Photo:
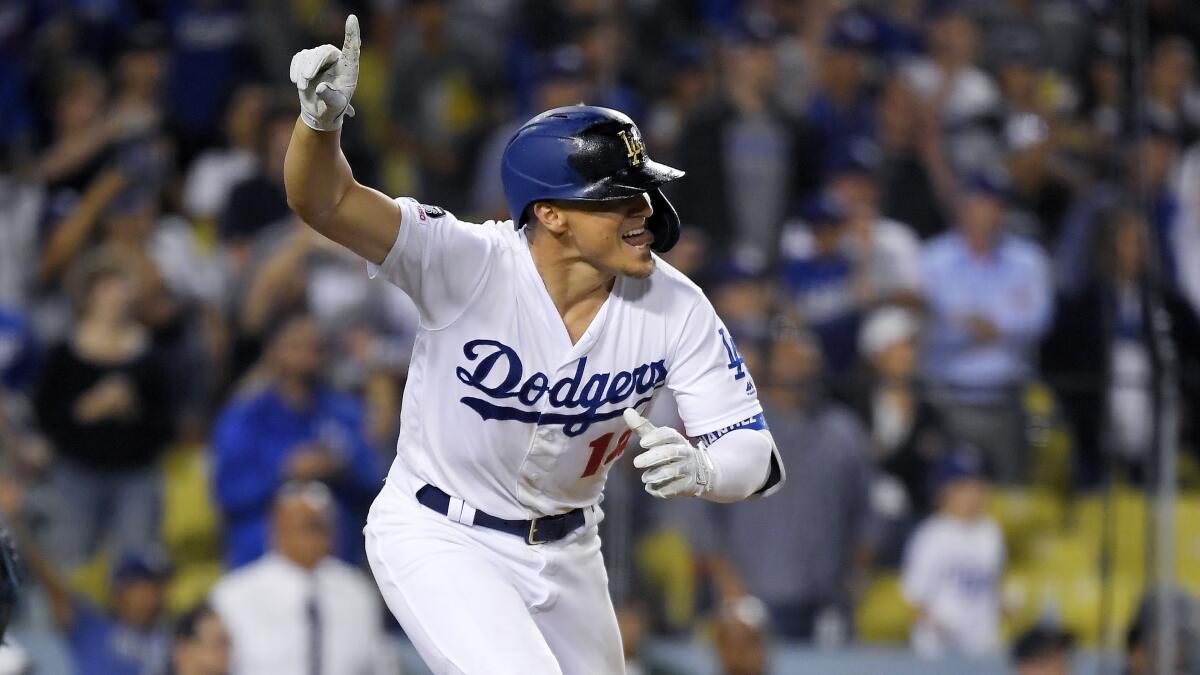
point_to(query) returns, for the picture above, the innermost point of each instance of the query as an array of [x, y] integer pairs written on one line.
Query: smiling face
[[610, 235]]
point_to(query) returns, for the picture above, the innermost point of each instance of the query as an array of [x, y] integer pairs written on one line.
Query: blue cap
[[854, 30], [141, 566], [989, 184], [955, 466], [753, 30], [824, 210], [564, 63], [859, 155]]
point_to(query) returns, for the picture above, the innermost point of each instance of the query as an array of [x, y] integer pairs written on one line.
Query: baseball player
[[542, 343]]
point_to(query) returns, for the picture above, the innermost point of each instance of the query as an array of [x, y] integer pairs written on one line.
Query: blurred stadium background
[[958, 243]]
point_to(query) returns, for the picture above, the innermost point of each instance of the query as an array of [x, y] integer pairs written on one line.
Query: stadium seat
[[190, 527], [665, 561], [883, 615], [1024, 515]]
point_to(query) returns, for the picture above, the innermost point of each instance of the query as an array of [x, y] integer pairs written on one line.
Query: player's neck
[[570, 280]]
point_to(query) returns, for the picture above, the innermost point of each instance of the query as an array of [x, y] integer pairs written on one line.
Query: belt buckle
[[533, 532]]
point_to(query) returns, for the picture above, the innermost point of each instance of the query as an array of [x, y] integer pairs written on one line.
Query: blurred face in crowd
[[110, 298], [953, 38], [1153, 160], [897, 116], [1171, 69], [898, 360], [631, 620], [751, 66], [980, 217], [795, 362], [296, 350], [138, 603], [303, 527], [827, 236], [842, 71], [740, 648], [81, 101], [595, 233], [1058, 663], [140, 72], [742, 301], [1130, 243], [557, 92], [244, 116], [965, 499], [206, 652], [688, 254], [134, 224]]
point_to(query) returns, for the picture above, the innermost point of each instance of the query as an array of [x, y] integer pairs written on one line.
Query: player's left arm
[[738, 464], [735, 456]]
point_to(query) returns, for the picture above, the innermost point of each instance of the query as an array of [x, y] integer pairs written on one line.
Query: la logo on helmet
[[635, 150]]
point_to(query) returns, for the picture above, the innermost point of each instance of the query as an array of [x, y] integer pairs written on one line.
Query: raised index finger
[[353, 42]]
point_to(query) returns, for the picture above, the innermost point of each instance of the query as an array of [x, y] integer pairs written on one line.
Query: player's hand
[[673, 466], [326, 78]]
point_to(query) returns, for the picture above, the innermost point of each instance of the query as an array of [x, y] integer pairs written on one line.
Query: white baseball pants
[[475, 601]]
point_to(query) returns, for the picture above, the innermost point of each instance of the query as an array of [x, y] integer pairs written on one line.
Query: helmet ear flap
[[664, 224]]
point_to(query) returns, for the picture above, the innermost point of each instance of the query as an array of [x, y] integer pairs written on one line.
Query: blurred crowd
[[957, 243]]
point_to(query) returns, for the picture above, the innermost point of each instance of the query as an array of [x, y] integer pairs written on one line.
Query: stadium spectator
[[915, 177], [800, 551], [741, 637], [258, 202], [953, 565], [212, 176], [298, 609], [906, 430], [841, 109], [820, 280], [632, 620], [289, 425], [962, 94], [748, 162], [103, 399], [989, 300], [1141, 655], [1100, 352], [125, 638], [437, 109], [201, 644], [886, 252], [1043, 650]]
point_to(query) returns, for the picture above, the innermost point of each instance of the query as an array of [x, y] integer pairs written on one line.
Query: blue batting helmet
[[586, 153]]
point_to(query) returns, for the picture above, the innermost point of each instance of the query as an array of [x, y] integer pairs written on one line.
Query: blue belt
[[537, 531]]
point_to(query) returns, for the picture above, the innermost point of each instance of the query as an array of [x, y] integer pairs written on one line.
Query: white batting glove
[[673, 466], [326, 78]]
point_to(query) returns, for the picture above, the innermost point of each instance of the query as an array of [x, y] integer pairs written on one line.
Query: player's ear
[[550, 216]]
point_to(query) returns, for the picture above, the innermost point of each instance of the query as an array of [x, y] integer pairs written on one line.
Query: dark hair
[[189, 623]]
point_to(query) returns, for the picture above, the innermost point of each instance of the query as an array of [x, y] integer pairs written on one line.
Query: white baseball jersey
[[502, 410], [952, 570]]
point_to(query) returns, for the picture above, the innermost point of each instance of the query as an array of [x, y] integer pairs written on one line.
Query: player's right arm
[[320, 185]]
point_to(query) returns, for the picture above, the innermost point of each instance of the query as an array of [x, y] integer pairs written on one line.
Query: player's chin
[[640, 267]]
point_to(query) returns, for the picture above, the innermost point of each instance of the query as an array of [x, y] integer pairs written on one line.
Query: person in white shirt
[[953, 565], [298, 610]]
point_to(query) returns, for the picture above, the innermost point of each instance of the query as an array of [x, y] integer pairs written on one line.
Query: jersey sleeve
[[438, 260], [712, 387]]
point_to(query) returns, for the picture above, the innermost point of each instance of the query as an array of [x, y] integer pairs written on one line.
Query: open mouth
[[639, 238]]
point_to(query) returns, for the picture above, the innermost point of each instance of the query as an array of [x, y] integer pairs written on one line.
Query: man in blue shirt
[[989, 300], [127, 637], [818, 280], [292, 428]]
